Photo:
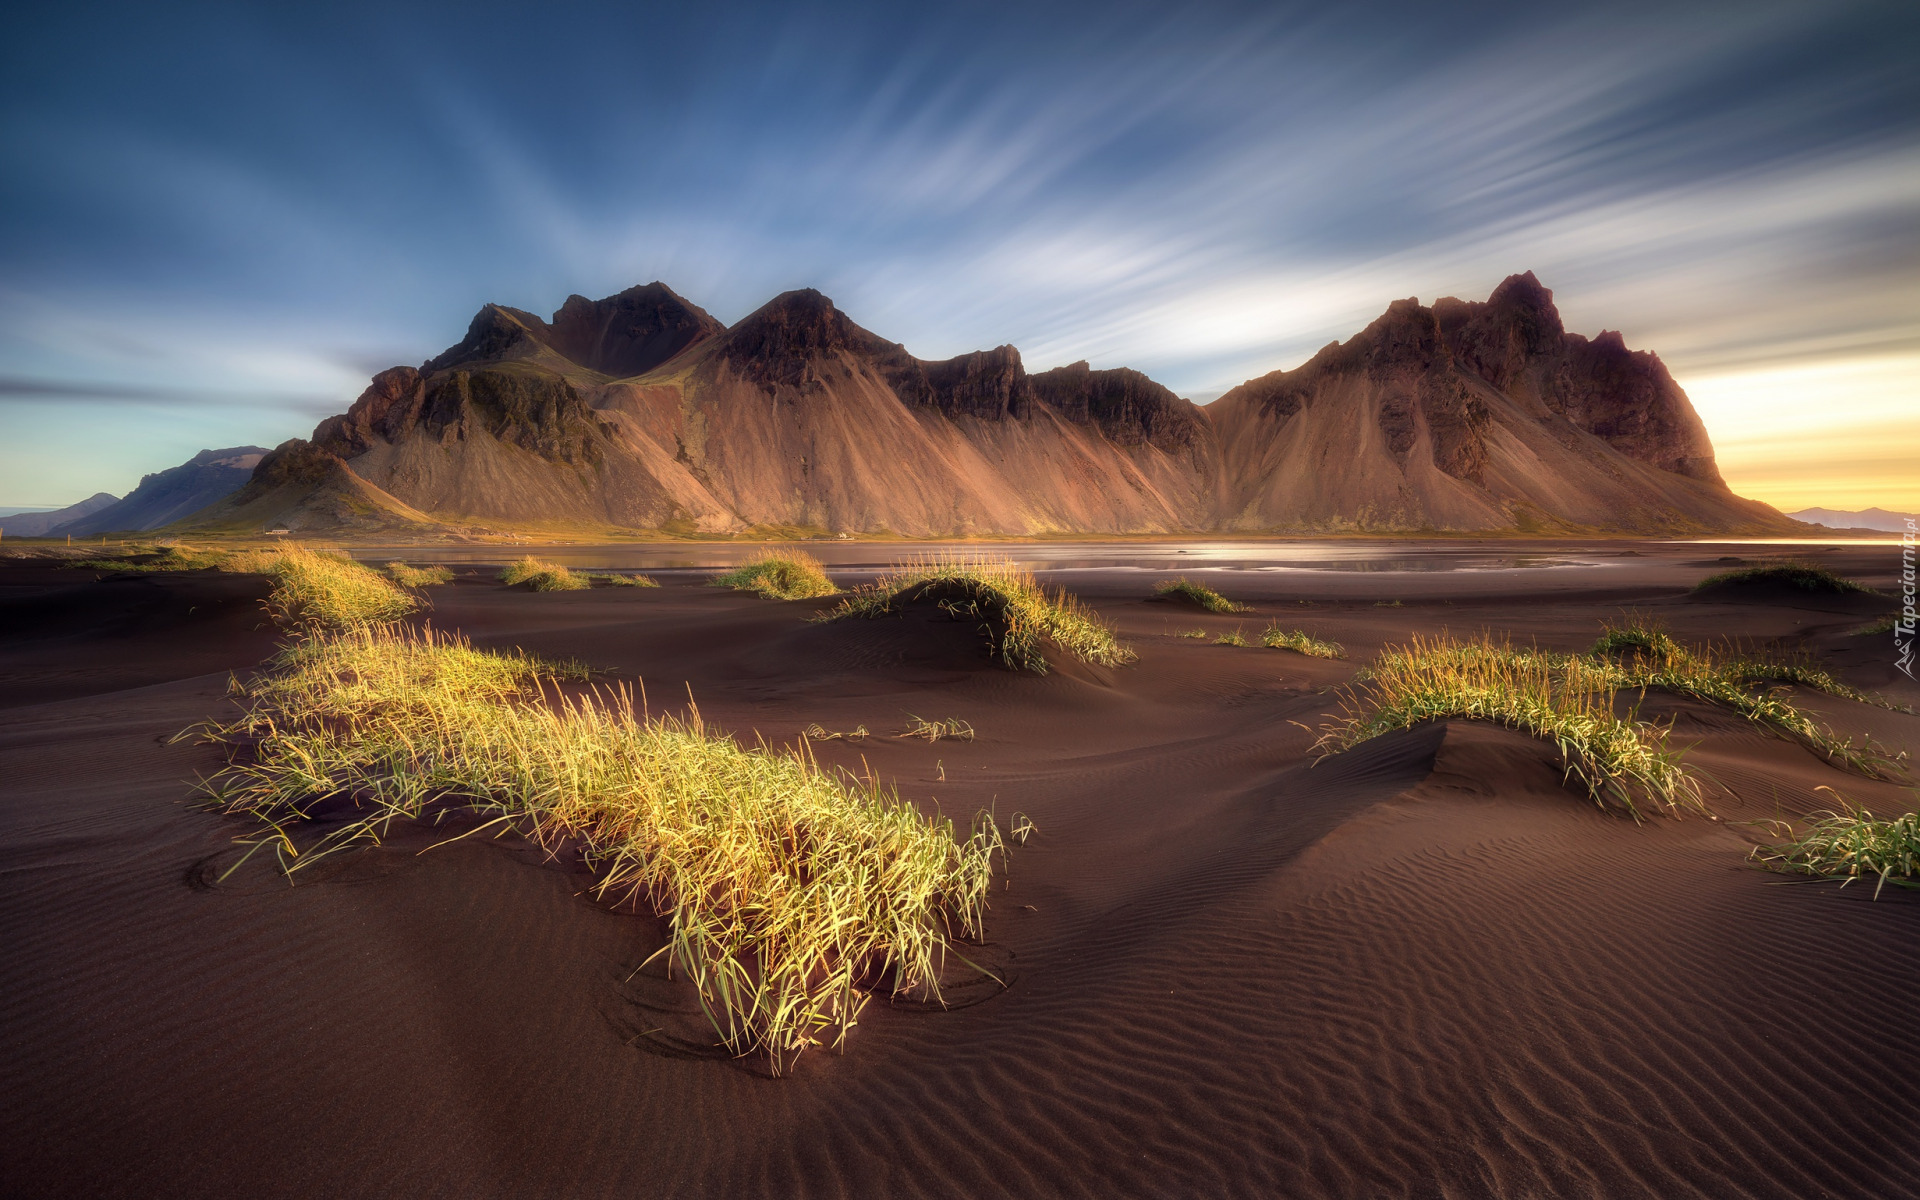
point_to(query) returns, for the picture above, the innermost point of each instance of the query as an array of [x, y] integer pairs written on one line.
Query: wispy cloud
[[14, 390], [1205, 195]]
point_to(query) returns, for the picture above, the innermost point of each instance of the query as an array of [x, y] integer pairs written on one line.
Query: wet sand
[[1420, 968]]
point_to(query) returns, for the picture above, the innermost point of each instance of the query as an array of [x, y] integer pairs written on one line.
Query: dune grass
[[621, 579], [1851, 845], [791, 896], [786, 575], [1196, 593], [1020, 827], [1564, 699], [1300, 642], [419, 577], [1639, 654], [1193, 633], [166, 556], [1016, 614], [1807, 577], [951, 728], [1233, 637], [312, 590], [817, 732], [1883, 625], [315, 592], [541, 576]]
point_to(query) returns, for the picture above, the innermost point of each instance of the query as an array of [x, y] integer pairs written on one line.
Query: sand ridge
[[1420, 968]]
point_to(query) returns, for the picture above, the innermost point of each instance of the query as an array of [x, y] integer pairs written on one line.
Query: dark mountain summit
[[640, 411], [631, 333]]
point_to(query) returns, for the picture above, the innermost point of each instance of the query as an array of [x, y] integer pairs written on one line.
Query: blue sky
[[218, 220]]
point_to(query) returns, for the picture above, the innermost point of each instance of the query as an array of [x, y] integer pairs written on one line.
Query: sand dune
[[1420, 968]]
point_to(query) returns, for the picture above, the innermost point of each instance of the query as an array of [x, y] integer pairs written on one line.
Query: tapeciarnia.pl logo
[[1904, 623]]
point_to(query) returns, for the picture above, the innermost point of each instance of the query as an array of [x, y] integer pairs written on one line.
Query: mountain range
[[641, 411], [1878, 519], [42, 524]]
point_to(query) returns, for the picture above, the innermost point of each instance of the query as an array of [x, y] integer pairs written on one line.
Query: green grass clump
[[1639, 654], [618, 579], [1232, 637], [1193, 633], [1196, 593], [791, 896], [542, 576], [1564, 699], [418, 577], [1300, 642], [1883, 625], [1807, 577], [1017, 615], [791, 575], [1852, 845]]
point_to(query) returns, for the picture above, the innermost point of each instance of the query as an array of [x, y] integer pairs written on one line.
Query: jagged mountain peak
[[631, 332], [779, 342], [628, 333], [496, 332]]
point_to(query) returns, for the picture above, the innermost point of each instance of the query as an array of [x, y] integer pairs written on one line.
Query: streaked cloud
[[1205, 195]]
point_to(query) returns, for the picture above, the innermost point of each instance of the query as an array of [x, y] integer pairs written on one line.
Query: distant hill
[[1866, 518], [167, 496], [38, 524], [642, 411]]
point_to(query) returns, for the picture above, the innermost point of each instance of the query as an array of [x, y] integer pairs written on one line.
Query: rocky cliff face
[[639, 410], [1515, 342], [1473, 415], [1127, 406]]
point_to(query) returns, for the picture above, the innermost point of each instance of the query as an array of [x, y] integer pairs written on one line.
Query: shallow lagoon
[[1161, 557]]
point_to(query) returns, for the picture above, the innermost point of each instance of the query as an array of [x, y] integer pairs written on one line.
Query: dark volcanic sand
[[1422, 968]]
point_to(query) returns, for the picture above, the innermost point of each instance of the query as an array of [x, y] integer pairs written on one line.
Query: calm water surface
[[1052, 556]]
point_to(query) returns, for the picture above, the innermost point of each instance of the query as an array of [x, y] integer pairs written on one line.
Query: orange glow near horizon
[[1841, 433]]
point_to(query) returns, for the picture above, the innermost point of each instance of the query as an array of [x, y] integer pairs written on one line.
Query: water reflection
[[1157, 557]]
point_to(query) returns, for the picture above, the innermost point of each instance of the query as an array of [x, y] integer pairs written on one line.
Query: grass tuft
[[1639, 654], [1564, 699], [1852, 845], [316, 593], [419, 577], [621, 579], [791, 575], [165, 556], [817, 732], [791, 896], [1300, 642], [1193, 633], [1196, 593], [1020, 827], [1232, 637], [1015, 613], [1807, 577], [952, 728], [542, 576]]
